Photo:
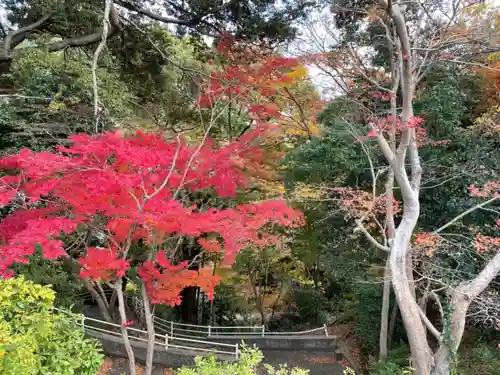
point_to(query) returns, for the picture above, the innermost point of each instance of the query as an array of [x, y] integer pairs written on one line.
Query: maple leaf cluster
[[358, 203], [491, 190], [165, 281], [258, 81], [133, 183], [428, 242], [383, 125]]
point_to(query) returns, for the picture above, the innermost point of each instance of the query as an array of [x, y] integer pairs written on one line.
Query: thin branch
[[428, 323], [472, 209], [373, 241], [190, 22], [97, 53], [438, 302]]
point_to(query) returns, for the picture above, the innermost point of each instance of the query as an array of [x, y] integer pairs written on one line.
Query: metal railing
[[165, 340], [194, 330]]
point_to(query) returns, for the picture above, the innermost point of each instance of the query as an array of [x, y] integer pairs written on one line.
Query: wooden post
[[166, 342], [171, 328], [237, 351], [209, 330], [326, 330], [263, 330]]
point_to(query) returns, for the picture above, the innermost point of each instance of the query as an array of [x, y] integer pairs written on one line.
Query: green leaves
[[250, 359], [34, 340]]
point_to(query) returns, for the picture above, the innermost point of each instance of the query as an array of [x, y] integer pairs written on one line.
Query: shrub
[[480, 360], [34, 340], [395, 364], [248, 364], [311, 305]]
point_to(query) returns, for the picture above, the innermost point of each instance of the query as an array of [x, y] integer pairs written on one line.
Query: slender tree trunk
[[103, 295], [461, 299], [148, 317], [409, 272], [443, 358], [112, 303], [384, 319], [75, 267], [103, 309], [392, 324], [189, 305], [415, 329], [123, 328]]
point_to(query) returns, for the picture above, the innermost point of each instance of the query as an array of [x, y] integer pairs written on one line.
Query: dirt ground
[[119, 366]]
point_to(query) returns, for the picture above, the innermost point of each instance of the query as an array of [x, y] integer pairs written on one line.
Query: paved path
[[318, 363]]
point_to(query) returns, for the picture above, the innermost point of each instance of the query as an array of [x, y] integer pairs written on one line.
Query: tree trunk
[[112, 303], [123, 328], [461, 299], [415, 329], [454, 329], [148, 317], [103, 309], [384, 319], [75, 267], [392, 324], [189, 305], [409, 272]]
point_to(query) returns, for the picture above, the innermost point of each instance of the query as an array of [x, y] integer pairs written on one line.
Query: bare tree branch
[[95, 60]]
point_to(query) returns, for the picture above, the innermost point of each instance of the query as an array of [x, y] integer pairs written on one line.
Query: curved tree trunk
[[384, 319], [461, 299], [123, 328], [103, 307], [417, 336], [392, 324], [148, 317]]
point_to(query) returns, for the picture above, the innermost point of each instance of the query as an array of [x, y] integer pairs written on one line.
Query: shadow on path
[[318, 363]]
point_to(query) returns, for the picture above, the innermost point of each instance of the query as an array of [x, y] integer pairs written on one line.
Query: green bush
[[248, 364], [311, 304], [395, 364], [56, 275], [480, 360], [35, 340]]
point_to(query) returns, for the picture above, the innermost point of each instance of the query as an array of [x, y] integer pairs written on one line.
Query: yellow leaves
[[56, 105], [298, 73], [304, 191], [488, 124]]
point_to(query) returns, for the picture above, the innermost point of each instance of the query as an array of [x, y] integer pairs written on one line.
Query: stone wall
[[173, 358], [283, 342]]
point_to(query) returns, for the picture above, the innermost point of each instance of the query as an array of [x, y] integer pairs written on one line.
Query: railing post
[[263, 330], [171, 328], [326, 330], [209, 330], [166, 342], [237, 351]]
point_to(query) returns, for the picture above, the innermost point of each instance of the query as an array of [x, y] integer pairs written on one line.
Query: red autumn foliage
[[103, 264], [482, 243], [132, 185], [164, 281], [490, 189]]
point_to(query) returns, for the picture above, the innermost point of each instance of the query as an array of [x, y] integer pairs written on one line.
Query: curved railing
[[169, 341], [193, 337], [195, 330]]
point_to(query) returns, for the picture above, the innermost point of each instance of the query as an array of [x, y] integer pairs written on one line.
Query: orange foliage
[[427, 242]]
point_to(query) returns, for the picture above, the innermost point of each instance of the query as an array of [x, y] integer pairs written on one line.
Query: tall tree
[[417, 37]]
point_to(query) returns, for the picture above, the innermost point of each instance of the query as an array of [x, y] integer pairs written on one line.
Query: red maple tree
[[127, 189]]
